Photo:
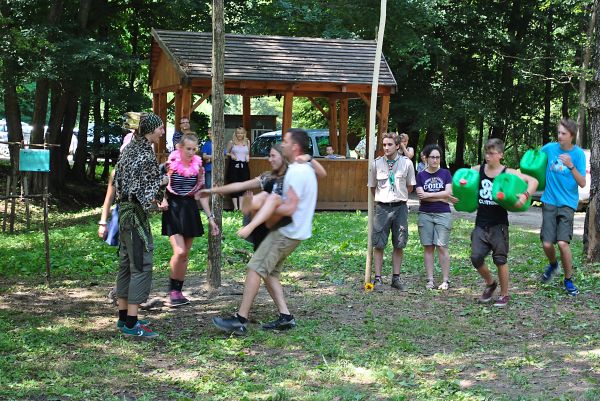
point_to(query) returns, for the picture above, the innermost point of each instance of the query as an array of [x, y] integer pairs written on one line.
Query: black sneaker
[[488, 293], [280, 324], [397, 284], [231, 325], [378, 284]]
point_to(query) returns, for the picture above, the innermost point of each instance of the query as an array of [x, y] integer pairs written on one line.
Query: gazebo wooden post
[[383, 122], [161, 111], [178, 107], [333, 122], [367, 128], [343, 142], [288, 101], [246, 113], [186, 102]]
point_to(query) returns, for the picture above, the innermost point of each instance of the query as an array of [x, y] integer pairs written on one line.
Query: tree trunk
[[461, 132], [441, 140], [58, 106], [480, 141], [97, 126], [587, 52], [84, 118], [13, 113], [547, 82], [106, 118], [68, 125], [565, 100], [592, 227], [213, 272]]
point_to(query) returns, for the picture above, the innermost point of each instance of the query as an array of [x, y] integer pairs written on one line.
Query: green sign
[[34, 160]]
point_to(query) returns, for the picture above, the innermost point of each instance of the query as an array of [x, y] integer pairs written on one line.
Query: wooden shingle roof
[[275, 58]]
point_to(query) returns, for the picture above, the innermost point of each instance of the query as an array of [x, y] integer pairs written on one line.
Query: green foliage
[[59, 342]]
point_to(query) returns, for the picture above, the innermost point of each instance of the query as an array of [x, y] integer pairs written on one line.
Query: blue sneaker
[[139, 330], [570, 287], [549, 272], [121, 324]]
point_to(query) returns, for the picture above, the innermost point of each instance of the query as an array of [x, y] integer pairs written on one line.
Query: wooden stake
[[46, 236]]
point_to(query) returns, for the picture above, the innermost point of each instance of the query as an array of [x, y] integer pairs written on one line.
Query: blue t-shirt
[[207, 150], [561, 187]]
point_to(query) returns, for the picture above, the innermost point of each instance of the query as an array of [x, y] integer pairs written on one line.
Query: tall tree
[[218, 128], [592, 227]]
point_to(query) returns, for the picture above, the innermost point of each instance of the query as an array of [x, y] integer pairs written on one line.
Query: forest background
[[466, 70]]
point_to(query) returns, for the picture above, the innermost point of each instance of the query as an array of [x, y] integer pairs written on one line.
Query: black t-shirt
[[489, 213]]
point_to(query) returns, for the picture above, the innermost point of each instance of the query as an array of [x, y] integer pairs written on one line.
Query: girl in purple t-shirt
[[434, 188]]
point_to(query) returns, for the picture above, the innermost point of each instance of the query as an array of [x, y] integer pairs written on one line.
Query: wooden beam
[[198, 102], [383, 122], [161, 148], [186, 102], [368, 102], [367, 128], [288, 102], [319, 107], [343, 142], [178, 108], [170, 102], [246, 113], [333, 122]]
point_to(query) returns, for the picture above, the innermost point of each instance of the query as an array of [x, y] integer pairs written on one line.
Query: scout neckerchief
[[391, 176]]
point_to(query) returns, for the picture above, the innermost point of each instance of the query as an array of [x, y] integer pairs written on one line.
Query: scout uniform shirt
[[391, 178]]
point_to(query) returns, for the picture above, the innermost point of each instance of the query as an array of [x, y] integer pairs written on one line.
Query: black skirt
[[237, 171], [182, 217]]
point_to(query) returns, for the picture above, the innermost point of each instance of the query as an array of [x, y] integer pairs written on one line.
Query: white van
[[319, 139]]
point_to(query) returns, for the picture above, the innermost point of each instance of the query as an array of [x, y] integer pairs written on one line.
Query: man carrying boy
[[392, 178], [564, 172], [491, 224], [299, 201]]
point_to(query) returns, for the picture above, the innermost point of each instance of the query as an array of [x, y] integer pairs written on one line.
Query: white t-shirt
[[301, 177]]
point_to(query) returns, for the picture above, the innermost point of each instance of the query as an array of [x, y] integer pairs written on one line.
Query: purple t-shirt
[[435, 182]]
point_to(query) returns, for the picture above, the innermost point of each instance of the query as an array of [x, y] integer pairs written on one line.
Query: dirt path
[[530, 219]]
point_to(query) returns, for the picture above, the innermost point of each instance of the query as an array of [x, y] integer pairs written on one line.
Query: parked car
[[319, 139], [584, 193], [110, 150]]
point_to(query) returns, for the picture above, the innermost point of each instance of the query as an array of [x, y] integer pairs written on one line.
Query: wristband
[[309, 159], [210, 216], [526, 193], [571, 168], [102, 223]]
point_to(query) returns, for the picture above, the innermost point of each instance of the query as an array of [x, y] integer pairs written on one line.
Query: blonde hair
[[391, 135], [235, 140], [403, 137], [188, 137]]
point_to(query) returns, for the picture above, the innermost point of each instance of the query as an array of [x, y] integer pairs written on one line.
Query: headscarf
[[148, 123]]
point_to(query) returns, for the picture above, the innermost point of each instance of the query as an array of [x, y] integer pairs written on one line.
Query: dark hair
[[496, 144], [430, 148], [570, 125], [300, 137]]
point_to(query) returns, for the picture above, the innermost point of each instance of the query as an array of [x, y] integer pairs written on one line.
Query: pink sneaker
[[501, 302], [177, 299]]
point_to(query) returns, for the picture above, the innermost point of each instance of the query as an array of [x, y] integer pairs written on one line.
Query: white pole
[[373, 134]]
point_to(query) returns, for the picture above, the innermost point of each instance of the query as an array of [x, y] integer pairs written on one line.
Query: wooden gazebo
[[334, 69]]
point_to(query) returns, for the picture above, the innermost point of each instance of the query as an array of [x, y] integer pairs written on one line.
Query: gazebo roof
[[272, 58]]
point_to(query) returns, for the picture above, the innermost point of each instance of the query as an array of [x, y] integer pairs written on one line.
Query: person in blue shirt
[[564, 173], [206, 151]]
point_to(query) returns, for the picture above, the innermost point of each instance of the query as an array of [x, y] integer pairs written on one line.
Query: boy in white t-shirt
[[300, 199]]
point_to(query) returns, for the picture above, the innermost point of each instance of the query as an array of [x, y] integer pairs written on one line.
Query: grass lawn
[[60, 342]]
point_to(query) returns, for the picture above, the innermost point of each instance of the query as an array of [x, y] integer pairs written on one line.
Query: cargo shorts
[[557, 223], [394, 218]]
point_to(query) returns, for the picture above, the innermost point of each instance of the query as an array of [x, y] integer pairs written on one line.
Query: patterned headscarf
[[148, 123]]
